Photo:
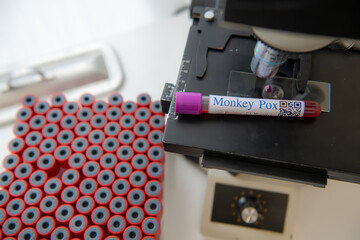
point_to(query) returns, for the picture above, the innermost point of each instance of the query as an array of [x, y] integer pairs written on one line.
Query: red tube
[[18, 188], [106, 178], [58, 100], [94, 232], [11, 161], [100, 216], [115, 99], [100, 107], [24, 114], [88, 186], [23, 171], [50, 130], [64, 231], [41, 107], [48, 164], [150, 226], [87, 100], [153, 189], [15, 207], [31, 155], [103, 196], [64, 213], [16, 145], [155, 170], [53, 186], [78, 224], [21, 129], [71, 177], [77, 161], [118, 205], [33, 196], [38, 178], [138, 179], [153, 207], [30, 216], [29, 100], [48, 205], [12, 226], [116, 224], [135, 215], [136, 197], [6, 178], [133, 231], [70, 195], [123, 170], [121, 187], [4, 197], [91, 169], [3, 216], [85, 205], [45, 226]]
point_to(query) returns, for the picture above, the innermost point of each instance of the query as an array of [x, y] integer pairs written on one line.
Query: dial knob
[[249, 209]]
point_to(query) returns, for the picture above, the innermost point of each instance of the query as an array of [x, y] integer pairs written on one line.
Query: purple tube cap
[[188, 103]]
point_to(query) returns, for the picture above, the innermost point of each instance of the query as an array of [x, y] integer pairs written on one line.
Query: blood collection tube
[[128, 107], [113, 114], [88, 186], [126, 137], [91, 169], [12, 226], [41, 107], [3, 216], [127, 121], [27, 233], [23, 171], [141, 129], [150, 226], [94, 233], [112, 129], [64, 213], [157, 122], [11, 161], [142, 114], [98, 121], [100, 107], [33, 196], [65, 137], [115, 99], [77, 161], [136, 197], [140, 145], [29, 100], [53, 186], [108, 161], [30, 216], [100, 216], [33, 138], [38, 178], [156, 153], [118, 205], [61, 233], [87, 100], [195, 103], [54, 115], [68, 122], [48, 205], [48, 145], [132, 233], [85, 205], [24, 114], [155, 170], [21, 129], [137, 179], [82, 129], [78, 224], [15, 207], [58, 100], [155, 107], [135, 215], [62, 154], [96, 137], [4, 197], [94, 152], [70, 195], [153, 207], [70, 108], [50, 130], [79, 145], [45, 226], [123, 170], [120, 187], [18, 188], [110, 144], [16, 145], [31, 155], [112, 237], [153, 188], [6, 178], [37, 122], [48, 164], [103, 196], [125, 153], [71, 177], [143, 100], [105, 178], [116, 224], [139, 162], [84, 114], [155, 137]]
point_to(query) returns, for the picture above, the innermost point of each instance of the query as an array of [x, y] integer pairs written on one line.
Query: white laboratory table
[[151, 56]]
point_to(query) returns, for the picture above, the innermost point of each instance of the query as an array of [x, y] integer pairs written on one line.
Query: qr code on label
[[290, 109]]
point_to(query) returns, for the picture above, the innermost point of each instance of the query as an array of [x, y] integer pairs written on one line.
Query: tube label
[[255, 106]]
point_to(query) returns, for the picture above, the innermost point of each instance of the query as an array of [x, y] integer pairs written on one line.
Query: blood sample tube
[[82, 129], [23, 171], [61, 233], [157, 122], [48, 205], [21, 129], [88, 186], [3, 216], [118, 205], [153, 207], [70, 108], [24, 114], [85, 205], [125, 153], [91, 169], [30, 216], [4, 197], [155, 170], [137, 179], [116, 224], [132, 233], [11, 161], [64, 213], [112, 129], [16, 145], [128, 107], [156, 153], [115, 99], [37, 122], [50, 130], [53, 186], [153, 188], [96, 137], [121, 187], [140, 145], [77, 161], [18, 188], [29, 100], [65, 137], [108, 161], [150, 226], [155, 137], [127, 121], [135, 215], [11, 227], [41, 107], [100, 216], [103, 196], [84, 114], [87, 100], [33, 138], [94, 152], [113, 114], [100, 107], [78, 224], [105, 178], [31, 155], [94, 233], [141, 129], [15, 207], [143, 100], [68, 122], [136, 197], [70, 195], [71, 177], [126, 137], [139, 162], [155, 107], [79, 145], [45, 226], [142, 114], [6, 178], [48, 164], [123, 170], [58, 100], [33, 196], [110, 144], [54, 115], [98, 121], [38, 178], [48, 145]]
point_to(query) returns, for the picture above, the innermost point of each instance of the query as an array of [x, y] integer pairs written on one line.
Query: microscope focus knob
[[250, 209]]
